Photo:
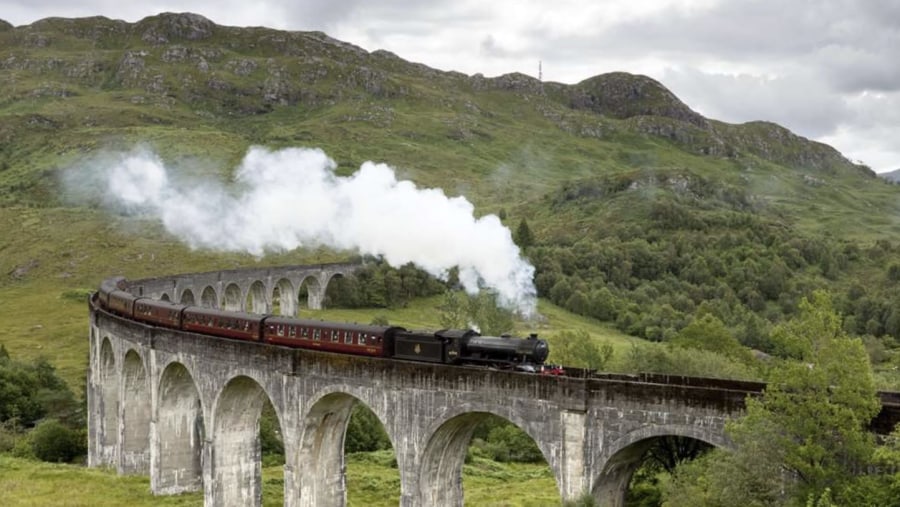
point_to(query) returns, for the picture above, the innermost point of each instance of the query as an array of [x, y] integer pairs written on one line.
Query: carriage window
[[362, 338], [292, 331], [348, 337], [335, 335], [316, 334], [280, 330], [304, 333]]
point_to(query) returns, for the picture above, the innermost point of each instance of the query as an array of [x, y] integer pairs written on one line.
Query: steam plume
[[291, 198]]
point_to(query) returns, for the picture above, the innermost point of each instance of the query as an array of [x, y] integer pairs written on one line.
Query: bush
[[54, 442]]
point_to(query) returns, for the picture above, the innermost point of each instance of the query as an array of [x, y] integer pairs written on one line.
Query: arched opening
[[283, 302], [237, 463], [208, 298], [271, 446], [308, 294], [164, 297], [484, 442], [180, 432], [187, 297], [338, 292], [348, 444], [109, 400], [256, 299], [631, 474], [233, 298], [136, 412]]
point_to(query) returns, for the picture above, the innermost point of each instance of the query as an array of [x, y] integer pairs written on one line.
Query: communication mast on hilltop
[[541, 74]]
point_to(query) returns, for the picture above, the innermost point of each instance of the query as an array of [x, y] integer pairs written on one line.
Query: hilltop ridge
[[172, 61]]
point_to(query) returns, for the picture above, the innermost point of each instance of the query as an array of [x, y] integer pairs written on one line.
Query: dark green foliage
[[709, 333], [524, 238], [377, 284], [270, 441], [365, 432], [55, 442], [806, 438], [503, 441], [31, 391], [509, 443]]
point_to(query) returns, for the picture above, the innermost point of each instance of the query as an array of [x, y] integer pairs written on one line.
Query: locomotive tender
[[447, 346]]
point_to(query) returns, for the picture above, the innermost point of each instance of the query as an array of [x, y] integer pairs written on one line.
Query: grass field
[[371, 482]]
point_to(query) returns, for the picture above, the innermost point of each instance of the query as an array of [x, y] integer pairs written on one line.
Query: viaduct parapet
[[184, 408]]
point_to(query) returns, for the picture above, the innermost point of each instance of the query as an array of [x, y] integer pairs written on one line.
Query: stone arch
[[440, 468], [310, 291], [625, 456], [209, 298], [284, 297], [179, 432], [136, 414], [236, 466], [233, 298], [164, 297], [109, 400], [322, 442], [187, 297], [256, 298]]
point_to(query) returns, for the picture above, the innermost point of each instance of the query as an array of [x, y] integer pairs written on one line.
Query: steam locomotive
[[447, 346]]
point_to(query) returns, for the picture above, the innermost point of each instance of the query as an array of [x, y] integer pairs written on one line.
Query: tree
[[577, 349], [709, 333], [52, 441], [524, 238], [805, 438]]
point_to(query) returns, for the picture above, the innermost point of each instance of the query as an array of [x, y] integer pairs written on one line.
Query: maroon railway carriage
[[238, 325], [161, 313], [329, 336], [121, 302]]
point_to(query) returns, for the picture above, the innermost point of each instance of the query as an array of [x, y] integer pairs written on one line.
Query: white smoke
[[292, 198]]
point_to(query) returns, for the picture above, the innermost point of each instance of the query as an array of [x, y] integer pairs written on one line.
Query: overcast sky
[[826, 69]]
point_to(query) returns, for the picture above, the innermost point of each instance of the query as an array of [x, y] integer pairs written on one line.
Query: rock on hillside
[[622, 95], [5, 25]]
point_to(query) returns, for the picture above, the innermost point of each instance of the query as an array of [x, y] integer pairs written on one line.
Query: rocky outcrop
[[622, 95], [5, 25], [169, 27]]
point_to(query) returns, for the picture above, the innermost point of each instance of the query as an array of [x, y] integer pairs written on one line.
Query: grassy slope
[[370, 482]]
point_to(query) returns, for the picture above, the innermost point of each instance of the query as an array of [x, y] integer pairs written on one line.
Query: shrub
[[54, 442]]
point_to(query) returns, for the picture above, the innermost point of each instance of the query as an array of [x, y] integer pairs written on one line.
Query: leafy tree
[[578, 349], [365, 432], [710, 333], [453, 311], [32, 391], [482, 311], [805, 438], [524, 238], [53, 441]]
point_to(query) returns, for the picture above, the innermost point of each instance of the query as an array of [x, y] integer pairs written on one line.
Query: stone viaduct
[[184, 408]]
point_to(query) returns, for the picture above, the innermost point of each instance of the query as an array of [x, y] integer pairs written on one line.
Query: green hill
[[642, 212]]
